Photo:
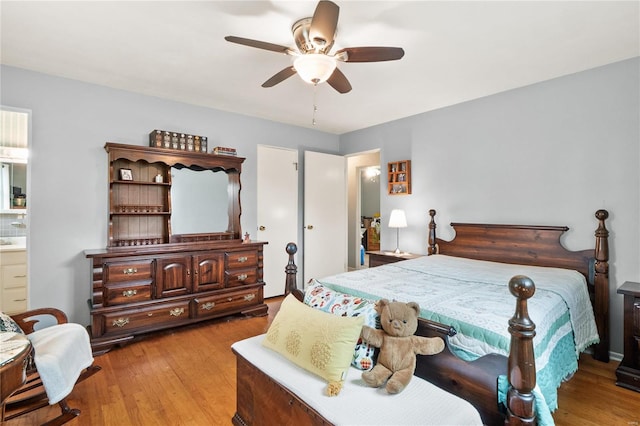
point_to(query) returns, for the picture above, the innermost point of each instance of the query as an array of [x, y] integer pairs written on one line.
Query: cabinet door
[[208, 272], [173, 276]]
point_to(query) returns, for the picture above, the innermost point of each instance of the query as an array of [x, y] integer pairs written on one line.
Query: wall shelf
[[399, 177]]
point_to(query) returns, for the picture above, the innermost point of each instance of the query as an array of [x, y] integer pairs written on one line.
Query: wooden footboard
[[476, 381]]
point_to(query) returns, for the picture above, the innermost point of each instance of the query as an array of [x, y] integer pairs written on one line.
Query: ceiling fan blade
[[324, 24], [339, 82], [279, 77], [370, 54], [259, 44]]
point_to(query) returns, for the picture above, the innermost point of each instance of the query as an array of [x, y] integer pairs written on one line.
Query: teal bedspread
[[473, 297]]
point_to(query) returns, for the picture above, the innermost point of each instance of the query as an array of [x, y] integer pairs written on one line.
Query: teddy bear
[[398, 346]]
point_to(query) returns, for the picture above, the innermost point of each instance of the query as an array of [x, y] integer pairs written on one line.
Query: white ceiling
[[454, 51]]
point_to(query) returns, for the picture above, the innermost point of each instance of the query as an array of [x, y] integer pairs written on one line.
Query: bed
[[271, 390], [261, 396], [566, 325]]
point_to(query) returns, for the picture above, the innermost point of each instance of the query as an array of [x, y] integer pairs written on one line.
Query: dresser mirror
[[199, 201]]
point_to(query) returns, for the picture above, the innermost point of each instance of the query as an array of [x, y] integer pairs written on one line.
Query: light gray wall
[[550, 154], [68, 168]]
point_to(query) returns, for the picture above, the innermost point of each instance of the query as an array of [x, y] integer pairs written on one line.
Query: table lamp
[[397, 220]]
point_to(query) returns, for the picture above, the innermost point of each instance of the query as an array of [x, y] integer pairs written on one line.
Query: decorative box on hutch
[[161, 269]]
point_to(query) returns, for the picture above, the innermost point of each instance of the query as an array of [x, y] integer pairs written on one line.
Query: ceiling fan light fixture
[[314, 68]]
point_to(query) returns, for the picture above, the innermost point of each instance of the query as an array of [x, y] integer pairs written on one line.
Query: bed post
[[432, 249], [291, 271], [601, 284], [521, 365]]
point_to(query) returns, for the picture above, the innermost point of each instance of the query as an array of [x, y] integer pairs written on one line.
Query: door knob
[[261, 228], [309, 227]]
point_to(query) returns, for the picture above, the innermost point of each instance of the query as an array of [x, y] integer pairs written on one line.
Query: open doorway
[[14, 201], [363, 184]]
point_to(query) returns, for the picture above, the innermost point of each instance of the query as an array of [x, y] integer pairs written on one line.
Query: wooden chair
[[33, 395]]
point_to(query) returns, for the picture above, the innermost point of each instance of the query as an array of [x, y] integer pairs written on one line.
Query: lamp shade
[[397, 219], [314, 68]]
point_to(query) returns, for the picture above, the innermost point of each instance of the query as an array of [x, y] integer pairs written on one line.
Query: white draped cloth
[[61, 353]]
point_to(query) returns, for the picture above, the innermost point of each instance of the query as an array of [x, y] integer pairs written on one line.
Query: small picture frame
[[125, 174]]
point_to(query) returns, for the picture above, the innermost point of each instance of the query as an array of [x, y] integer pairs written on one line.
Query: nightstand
[[628, 372], [377, 258]]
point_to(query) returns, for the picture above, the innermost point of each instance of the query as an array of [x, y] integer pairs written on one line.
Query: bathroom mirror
[[13, 185]]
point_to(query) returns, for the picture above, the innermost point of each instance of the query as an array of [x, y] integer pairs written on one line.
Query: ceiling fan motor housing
[[300, 31]]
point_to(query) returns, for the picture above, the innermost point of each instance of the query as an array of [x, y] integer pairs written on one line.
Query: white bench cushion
[[420, 403]]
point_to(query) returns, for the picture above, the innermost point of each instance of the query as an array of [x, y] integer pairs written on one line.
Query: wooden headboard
[[537, 246]]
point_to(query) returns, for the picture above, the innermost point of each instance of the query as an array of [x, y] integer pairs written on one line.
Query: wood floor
[[187, 377]]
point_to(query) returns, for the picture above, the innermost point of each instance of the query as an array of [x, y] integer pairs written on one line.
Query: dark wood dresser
[[628, 372], [175, 253]]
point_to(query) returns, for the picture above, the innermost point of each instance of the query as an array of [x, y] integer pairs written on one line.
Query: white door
[[277, 211], [325, 215]]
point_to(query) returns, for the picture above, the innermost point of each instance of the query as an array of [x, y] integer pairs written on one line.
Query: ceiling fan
[[314, 37]]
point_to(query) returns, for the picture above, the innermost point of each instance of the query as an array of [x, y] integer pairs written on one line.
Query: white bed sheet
[[420, 403]]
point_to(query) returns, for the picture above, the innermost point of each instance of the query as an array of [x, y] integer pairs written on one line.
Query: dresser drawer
[[14, 300], [212, 305], [155, 316], [14, 276], [127, 293], [238, 277], [128, 271], [241, 259]]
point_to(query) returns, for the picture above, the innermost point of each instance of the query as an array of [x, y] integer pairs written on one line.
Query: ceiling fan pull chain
[[315, 106]]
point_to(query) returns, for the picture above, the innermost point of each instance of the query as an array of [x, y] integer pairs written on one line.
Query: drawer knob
[[176, 312], [242, 277], [242, 259], [208, 306], [130, 271], [229, 299], [248, 297], [120, 322], [129, 293], [19, 276]]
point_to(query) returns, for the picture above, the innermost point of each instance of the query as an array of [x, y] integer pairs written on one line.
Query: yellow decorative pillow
[[317, 341]]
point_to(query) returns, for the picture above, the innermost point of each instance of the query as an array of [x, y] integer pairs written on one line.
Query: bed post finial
[[521, 365], [291, 270], [601, 284], [432, 249]]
